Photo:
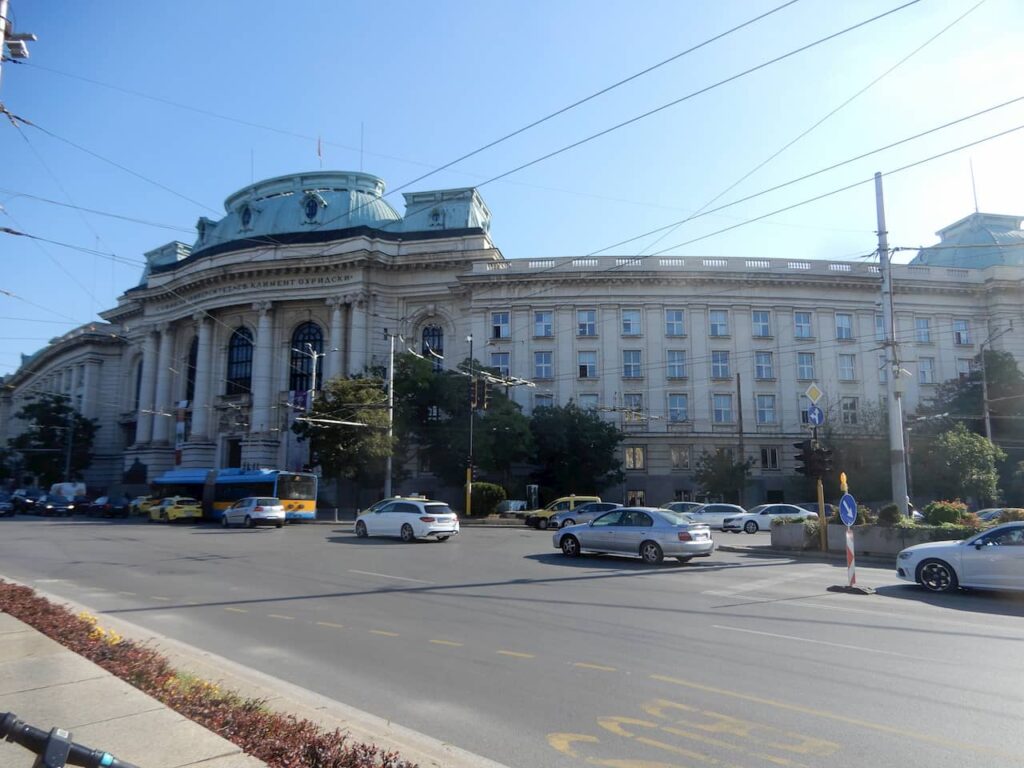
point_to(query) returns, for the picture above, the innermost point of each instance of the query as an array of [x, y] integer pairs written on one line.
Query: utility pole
[[897, 457], [13, 42], [472, 408], [739, 426], [391, 413], [984, 380]]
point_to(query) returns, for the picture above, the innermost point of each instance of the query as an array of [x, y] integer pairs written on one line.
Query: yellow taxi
[[174, 508], [141, 505]]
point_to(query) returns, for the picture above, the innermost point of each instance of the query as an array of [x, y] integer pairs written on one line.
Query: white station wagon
[[409, 519]]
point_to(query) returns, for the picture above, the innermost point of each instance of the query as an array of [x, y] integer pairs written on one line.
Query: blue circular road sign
[[848, 509], [815, 416]]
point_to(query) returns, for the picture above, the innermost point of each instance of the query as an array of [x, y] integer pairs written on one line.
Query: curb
[[806, 554], [287, 698]]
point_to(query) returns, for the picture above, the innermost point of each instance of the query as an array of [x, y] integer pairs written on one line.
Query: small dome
[[976, 241]]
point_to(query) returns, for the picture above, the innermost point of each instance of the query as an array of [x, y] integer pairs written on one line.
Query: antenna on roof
[[973, 187]]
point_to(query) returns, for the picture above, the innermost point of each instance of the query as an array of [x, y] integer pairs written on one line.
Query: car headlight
[[904, 555]]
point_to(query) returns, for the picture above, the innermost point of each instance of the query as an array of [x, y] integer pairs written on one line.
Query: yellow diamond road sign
[[814, 393]]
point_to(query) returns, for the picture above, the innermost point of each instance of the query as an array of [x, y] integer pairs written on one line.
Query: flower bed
[[281, 741]]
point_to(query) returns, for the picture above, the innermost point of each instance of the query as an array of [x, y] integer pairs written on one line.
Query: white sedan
[[760, 518], [409, 519], [992, 559]]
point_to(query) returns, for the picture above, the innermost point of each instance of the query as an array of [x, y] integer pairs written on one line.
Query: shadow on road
[[972, 600]]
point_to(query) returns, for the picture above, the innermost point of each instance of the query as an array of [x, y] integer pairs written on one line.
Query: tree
[[575, 449], [959, 463], [503, 438], [962, 397], [719, 474], [860, 450], [353, 452], [43, 447]]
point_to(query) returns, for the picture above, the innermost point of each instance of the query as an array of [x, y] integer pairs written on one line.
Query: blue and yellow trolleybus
[[218, 489]]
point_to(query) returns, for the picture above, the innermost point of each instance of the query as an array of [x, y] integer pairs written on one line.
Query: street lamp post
[[391, 412], [469, 464]]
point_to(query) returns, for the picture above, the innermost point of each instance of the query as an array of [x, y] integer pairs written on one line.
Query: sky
[[151, 114]]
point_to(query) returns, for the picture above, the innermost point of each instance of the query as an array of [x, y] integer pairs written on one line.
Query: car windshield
[[677, 518], [759, 508], [438, 509], [268, 502]]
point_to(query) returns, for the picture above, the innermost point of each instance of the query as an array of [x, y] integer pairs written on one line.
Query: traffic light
[[805, 459], [488, 386], [823, 458]]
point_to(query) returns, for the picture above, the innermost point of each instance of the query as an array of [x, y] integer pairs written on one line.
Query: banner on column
[[296, 451]]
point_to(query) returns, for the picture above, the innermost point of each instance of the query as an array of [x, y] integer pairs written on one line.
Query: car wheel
[[408, 535], [937, 576], [248, 522], [651, 553], [360, 529], [543, 523], [570, 546], [279, 525], [224, 521], [568, 522], [684, 559], [750, 526]]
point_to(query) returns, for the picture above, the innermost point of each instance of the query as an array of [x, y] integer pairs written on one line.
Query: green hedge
[[486, 497]]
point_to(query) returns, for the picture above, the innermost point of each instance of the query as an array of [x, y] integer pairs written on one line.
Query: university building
[[206, 362]]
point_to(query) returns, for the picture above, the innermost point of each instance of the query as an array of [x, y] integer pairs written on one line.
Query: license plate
[[699, 536]]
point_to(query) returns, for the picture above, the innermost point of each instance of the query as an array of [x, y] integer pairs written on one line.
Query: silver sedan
[[644, 532]]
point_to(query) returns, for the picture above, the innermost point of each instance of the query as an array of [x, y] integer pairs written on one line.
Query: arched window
[[190, 370], [302, 360], [433, 344], [240, 362]]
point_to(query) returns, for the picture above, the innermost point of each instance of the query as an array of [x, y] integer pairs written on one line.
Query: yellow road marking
[[614, 724], [517, 654], [331, 624], [385, 634], [279, 616], [563, 743], [157, 597], [880, 727], [236, 610], [446, 642], [598, 667]]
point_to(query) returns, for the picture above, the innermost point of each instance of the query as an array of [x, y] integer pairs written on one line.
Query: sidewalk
[[762, 547], [48, 686]]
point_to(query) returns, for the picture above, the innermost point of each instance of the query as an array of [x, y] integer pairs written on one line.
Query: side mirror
[[979, 544], [591, 523]]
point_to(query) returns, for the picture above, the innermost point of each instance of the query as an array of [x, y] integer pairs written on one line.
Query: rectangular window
[[587, 362], [678, 408], [761, 322], [676, 363], [719, 322], [765, 409], [883, 367], [805, 405], [802, 325], [769, 458], [544, 324], [500, 325], [849, 409], [633, 407], [543, 401], [963, 367], [923, 330], [631, 364], [586, 322], [722, 409], [631, 322], [500, 360], [763, 366], [961, 332], [674, 323], [879, 328], [636, 498], [847, 367], [680, 455], [636, 457], [805, 366], [588, 402], [926, 370], [543, 365], [720, 364], [844, 326]]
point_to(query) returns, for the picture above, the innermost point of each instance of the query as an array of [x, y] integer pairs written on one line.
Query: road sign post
[[848, 514]]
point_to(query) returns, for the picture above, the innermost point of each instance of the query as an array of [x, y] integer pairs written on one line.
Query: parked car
[[990, 515], [760, 517], [409, 519], [644, 532], [713, 515], [992, 559], [682, 506], [53, 505], [109, 506], [539, 518], [254, 510], [141, 505], [174, 508], [6, 505], [24, 499], [584, 513]]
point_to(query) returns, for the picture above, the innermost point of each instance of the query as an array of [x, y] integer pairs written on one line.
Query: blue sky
[[194, 100]]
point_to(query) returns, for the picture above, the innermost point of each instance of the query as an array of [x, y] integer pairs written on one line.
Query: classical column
[[90, 380], [357, 340], [201, 395], [144, 425], [259, 415], [336, 340], [164, 377]]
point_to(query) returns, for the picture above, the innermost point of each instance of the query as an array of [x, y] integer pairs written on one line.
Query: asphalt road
[[497, 643]]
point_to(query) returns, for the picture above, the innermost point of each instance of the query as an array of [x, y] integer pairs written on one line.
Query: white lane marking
[[760, 584], [386, 576], [903, 617], [824, 642]]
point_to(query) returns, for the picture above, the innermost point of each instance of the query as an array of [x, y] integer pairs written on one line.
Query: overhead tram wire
[[92, 252], [26, 195], [819, 122]]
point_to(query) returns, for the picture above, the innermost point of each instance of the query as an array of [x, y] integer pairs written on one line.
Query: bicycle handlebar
[[55, 747]]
